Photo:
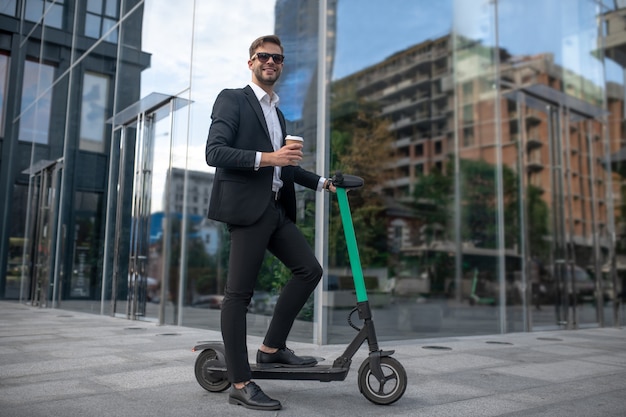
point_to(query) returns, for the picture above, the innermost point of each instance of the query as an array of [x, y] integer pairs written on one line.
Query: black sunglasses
[[264, 57]]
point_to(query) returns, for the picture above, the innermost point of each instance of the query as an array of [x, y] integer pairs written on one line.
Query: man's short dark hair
[[267, 38]]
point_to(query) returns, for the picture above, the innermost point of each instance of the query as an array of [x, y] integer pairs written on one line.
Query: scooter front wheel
[[209, 380], [390, 389]]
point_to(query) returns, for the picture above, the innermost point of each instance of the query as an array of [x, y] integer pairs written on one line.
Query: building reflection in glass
[[493, 156]]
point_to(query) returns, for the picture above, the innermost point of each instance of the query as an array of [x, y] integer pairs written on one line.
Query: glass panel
[[96, 24], [107, 24], [82, 97], [92, 26], [93, 112], [128, 65], [110, 9], [94, 6], [34, 10], [54, 14], [4, 79], [87, 265], [53, 10], [173, 231], [164, 231], [480, 273], [614, 270], [391, 101], [42, 237], [36, 102], [563, 238], [205, 259], [8, 7], [170, 58], [18, 267]]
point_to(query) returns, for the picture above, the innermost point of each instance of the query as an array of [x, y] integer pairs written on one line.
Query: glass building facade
[[490, 134]]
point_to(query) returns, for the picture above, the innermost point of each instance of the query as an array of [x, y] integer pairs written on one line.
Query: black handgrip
[[347, 181]]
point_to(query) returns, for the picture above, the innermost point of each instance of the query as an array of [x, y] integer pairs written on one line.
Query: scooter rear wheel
[[208, 379], [390, 389]]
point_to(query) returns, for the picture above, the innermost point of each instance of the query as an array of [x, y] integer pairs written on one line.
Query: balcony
[[400, 162], [535, 163], [533, 142], [401, 123], [534, 166], [397, 87], [397, 105], [533, 117], [439, 114], [402, 142]]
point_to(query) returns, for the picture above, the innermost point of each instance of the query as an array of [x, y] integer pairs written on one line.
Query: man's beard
[[263, 79]]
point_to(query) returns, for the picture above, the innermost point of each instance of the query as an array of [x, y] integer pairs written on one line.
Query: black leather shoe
[[283, 358], [251, 396]]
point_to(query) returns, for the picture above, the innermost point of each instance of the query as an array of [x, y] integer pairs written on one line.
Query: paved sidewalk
[[63, 363]]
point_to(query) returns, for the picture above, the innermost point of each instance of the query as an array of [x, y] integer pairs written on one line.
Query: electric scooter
[[381, 378], [475, 298]]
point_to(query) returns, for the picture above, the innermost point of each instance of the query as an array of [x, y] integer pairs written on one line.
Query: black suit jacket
[[238, 130]]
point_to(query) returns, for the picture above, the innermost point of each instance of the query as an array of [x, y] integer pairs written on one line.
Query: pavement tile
[[72, 364]]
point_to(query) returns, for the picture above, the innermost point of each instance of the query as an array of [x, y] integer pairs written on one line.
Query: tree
[[360, 145], [433, 196], [537, 223], [434, 203]]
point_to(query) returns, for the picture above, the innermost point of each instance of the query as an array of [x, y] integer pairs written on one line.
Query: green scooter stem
[[353, 252]]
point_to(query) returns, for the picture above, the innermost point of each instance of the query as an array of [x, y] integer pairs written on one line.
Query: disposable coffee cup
[[290, 139]]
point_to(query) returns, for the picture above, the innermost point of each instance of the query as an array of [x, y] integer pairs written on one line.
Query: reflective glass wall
[[495, 190], [493, 158], [59, 93]]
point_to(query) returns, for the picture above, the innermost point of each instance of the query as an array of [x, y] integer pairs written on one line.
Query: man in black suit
[[253, 193]]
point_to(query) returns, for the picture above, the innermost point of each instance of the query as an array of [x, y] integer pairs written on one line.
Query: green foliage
[[273, 275], [433, 196], [201, 267], [434, 204], [360, 145], [538, 215]]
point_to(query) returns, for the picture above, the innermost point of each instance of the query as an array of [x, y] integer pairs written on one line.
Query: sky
[[364, 29], [223, 33], [216, 36]]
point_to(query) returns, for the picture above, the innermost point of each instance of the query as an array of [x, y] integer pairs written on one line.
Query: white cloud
[[221, 32], [474, 19], [218, 40]]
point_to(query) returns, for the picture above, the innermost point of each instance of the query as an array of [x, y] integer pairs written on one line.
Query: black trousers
[[277, 233]]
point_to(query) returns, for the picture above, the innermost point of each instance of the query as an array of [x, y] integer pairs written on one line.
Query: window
[[8, 7], [93, 112], [438, 147], [419, 150], [468, 113], [468, 136], [101, 16], [468, 92], [36, 102], [419, 170], [52, 9], [513, 130], [4, 75]]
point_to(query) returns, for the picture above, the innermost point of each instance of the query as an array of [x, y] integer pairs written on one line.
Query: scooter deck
[[323, 373]]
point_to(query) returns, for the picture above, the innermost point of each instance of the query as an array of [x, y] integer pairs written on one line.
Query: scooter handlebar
[[346, 181]]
